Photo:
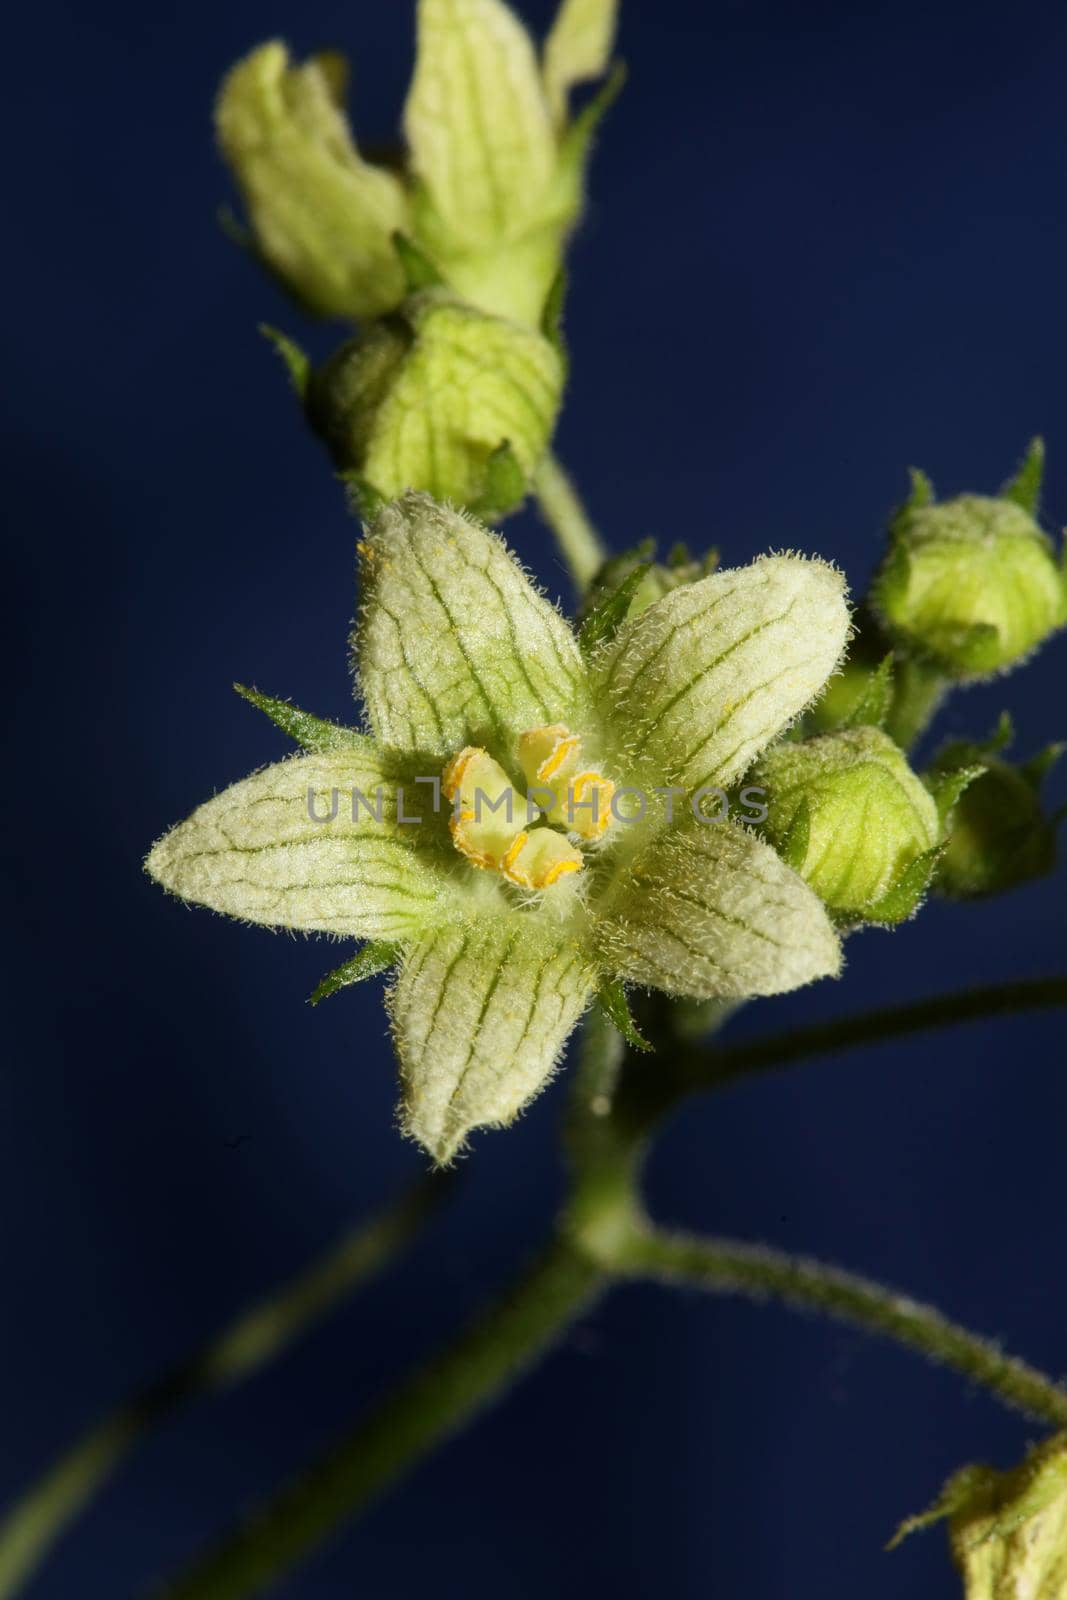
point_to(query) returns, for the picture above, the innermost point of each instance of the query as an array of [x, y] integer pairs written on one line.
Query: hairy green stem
[[653, 1085], [726, 1266], [418, 1416], [33, 1525], [918, 691], [561, 508]]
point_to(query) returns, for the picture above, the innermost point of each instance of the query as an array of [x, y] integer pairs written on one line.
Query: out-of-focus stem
[[35, 1522], [561, 508]]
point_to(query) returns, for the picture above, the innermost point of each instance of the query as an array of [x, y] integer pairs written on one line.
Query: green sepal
[[947, 787], [419, 270], [369, 960], [611, 999], [873, 706], [574, 150], [363, 498], [1025, 488], [904, 898], [310, 733], [552, 316], [1038, 767], [505, 485], [297, 364], [607, 616], [920, 495], [794, 847], [958, 1491]]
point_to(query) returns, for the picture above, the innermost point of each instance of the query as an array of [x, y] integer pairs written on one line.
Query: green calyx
[[493, 178], [847, 812], [1001, 834], [972, 585], [440, 398], [629, 583]]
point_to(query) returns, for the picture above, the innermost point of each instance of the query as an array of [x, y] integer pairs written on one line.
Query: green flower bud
[[633, 581], [1008, 1530], [972, 584], [846, 811], [1000, 834], [494, 174], [440, 398], [322, 218]]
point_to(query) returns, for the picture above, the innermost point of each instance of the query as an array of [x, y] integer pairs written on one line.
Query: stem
[[726, 1266], [561, 508], [918, 691], [653, 1086], [423, 1412], [41, 1516]]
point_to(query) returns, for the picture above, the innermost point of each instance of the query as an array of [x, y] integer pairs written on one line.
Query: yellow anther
[[543, 857], [589, 814], [546, 753]]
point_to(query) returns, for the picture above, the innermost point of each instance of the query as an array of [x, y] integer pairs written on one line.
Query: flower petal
[[455, 646], [709, 911], [477, 121], [323, 217], [255, 852], [578, 47], [701, 682], [480, 1016]]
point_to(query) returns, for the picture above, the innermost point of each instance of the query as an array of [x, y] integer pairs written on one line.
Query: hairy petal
[[454, 645], [477, 120], [578, 47], [255, 852], [480, 1016], [709, 911], [323, 217], [702, 681]]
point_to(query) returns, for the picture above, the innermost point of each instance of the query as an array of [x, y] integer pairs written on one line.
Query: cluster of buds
[[456, 391]]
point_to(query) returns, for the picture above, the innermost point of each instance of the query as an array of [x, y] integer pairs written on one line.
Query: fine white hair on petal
[[481, 1013], [455, 646], [700, 683]]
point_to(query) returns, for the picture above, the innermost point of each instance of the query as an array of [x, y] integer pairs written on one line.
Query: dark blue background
[[825, 242]]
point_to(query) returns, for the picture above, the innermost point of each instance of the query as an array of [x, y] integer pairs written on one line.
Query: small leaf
[[794, 847], [604, 621], [872, 707], [419, 271], [1025, 488], [957, 1492], [578, 140], [297, 363], [613, 1002], [373, 958], [906, 895], [310, 733]]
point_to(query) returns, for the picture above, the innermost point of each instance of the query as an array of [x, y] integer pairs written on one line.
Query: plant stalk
[[578, 540]]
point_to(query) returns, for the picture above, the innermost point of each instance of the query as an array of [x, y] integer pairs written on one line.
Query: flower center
[[518, 835]]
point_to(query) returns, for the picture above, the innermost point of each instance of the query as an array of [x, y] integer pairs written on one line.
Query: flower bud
[[1008, 1530], [972, 584], [440, 398], [1000, 834], [846, 811], [632, 581], [322, 218]]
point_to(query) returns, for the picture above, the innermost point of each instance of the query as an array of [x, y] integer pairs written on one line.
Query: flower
[[972, 585], [440, 397], [1008, 1530], [495, 170], [522, 824]]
